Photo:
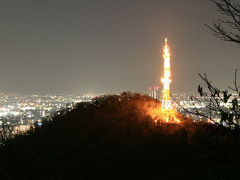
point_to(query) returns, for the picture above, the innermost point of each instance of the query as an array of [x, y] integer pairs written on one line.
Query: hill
[[114, 137]]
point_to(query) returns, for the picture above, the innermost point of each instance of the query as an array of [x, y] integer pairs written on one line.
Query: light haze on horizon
[[109, 46]]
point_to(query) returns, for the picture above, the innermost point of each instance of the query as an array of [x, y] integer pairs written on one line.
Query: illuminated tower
[[166, 102], [165, 113]]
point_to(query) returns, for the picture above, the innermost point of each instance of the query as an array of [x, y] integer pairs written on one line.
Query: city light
[[22, 111]]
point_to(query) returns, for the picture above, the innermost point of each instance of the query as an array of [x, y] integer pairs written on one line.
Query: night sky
[[109, 46]]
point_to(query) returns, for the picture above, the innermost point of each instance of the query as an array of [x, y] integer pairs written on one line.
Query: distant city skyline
[[26, 110], [80, 47]]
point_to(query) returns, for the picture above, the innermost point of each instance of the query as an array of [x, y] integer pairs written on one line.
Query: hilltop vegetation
[[114, 137]]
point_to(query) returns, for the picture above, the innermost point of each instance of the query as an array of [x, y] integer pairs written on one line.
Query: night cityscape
[[139, 89], [25, 110]]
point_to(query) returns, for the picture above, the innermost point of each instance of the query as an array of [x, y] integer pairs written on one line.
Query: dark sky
[[108, 46]]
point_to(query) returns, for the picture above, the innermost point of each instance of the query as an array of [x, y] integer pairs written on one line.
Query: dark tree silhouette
[[221, 104], [227, 27], [113, 137]]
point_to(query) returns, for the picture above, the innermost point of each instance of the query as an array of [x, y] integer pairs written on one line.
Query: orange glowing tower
[[165, 113], [166, 102]]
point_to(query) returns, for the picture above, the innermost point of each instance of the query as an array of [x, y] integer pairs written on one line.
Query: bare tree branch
[[219, 104], [227, 29]]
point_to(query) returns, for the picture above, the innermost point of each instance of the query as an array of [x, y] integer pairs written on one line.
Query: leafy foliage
[[220, 104]]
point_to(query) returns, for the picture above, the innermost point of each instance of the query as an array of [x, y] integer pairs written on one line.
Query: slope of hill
[[113, 137]]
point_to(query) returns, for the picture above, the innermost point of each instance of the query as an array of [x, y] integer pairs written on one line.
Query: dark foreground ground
[[114, 138]]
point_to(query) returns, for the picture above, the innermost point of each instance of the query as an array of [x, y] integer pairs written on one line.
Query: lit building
[[154, 92]]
